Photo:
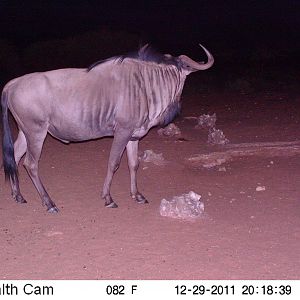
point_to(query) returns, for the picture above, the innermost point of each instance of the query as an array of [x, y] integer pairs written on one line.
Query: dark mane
[[145, 53]]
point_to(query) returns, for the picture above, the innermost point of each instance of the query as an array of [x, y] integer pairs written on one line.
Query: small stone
[[222, 169], [155, 158], [170, 130], [260, 188], [52, 233]]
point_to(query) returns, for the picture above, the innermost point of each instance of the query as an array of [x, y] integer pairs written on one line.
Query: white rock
[[186, 206]]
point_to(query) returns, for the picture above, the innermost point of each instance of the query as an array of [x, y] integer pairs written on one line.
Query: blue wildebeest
[[122, 96]]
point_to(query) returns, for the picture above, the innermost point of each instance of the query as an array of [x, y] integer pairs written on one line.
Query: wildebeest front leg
[[133, 164], [121, 138]]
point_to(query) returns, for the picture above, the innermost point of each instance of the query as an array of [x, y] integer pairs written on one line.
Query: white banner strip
[[141, 289]]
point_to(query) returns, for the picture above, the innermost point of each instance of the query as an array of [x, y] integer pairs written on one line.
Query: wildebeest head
[[147, 53]]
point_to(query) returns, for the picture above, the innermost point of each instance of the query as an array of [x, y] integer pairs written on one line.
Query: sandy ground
[[246, 234]]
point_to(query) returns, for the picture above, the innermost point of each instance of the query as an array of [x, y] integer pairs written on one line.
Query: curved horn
[[189, 63]]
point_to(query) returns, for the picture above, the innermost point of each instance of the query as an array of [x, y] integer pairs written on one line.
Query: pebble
[[222, 169], [260, 188]]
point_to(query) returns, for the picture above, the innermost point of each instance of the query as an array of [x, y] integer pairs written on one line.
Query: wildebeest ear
[[192, 66], [185, 63], [143, 48]]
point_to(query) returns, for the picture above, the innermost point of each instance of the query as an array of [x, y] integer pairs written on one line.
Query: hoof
[[53, 210], [111, 205], [140, 199], [20, 199], [144, 201]]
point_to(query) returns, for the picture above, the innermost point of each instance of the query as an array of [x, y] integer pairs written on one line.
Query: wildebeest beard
[[170, 113]]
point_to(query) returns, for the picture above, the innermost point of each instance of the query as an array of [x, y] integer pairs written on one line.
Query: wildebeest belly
[[74, 130]]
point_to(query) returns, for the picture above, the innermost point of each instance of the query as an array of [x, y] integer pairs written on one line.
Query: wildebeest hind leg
[[121, 138], [20, 147], [133, 164], [34, 148]]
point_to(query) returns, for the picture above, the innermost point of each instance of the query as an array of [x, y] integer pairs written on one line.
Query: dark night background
[[254, 41]]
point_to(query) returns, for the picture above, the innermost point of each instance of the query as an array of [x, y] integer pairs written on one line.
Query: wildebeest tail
[[9, 163]]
